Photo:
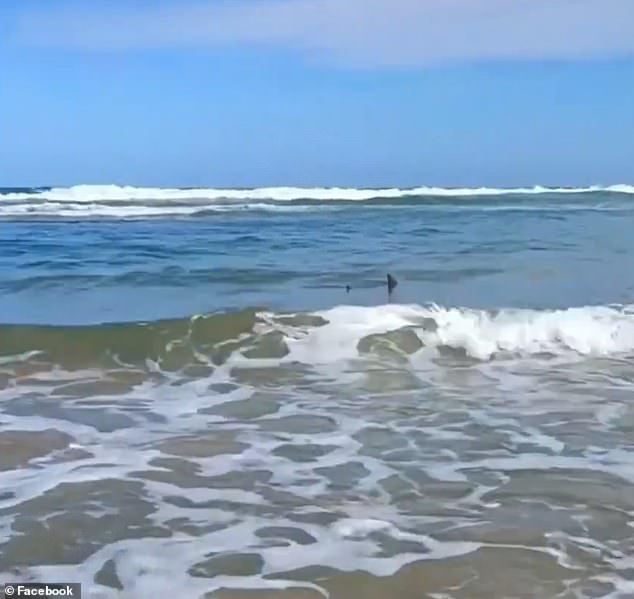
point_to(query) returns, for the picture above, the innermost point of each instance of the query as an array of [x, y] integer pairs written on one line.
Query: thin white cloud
[[362, 33]]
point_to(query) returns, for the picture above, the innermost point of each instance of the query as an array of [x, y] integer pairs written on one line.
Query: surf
[[341, 333]]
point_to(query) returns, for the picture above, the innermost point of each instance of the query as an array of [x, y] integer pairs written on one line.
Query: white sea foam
[[113, 201], [432, 476], [115, 193], [96, 209], [586, 331]]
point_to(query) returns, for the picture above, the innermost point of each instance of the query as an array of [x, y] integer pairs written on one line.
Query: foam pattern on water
[[382, 439]]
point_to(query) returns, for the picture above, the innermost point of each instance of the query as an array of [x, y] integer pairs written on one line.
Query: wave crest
[[330, 336], [113, 201], [115, 193]]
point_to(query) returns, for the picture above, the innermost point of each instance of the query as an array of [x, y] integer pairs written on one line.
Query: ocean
[[193, 403]]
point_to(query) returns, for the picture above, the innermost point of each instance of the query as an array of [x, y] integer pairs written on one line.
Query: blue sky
[[317, 92]]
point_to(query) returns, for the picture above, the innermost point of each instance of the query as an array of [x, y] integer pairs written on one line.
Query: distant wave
[[112, 201], [114, 193]]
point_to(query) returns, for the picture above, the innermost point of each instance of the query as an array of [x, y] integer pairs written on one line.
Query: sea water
[[192, 403]]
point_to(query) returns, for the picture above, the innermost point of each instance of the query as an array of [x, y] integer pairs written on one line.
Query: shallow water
[[264, 429]]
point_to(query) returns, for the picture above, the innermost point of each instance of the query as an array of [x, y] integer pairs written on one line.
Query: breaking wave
[[115, 193], [112, 201], [343, 333]]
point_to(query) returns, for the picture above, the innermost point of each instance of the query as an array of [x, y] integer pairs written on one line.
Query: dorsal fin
[[391, 283]]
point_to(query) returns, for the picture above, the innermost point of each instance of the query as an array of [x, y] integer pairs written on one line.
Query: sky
[[365, 93]]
